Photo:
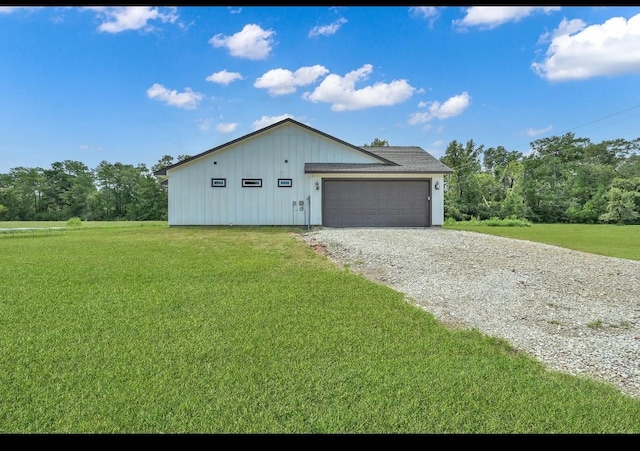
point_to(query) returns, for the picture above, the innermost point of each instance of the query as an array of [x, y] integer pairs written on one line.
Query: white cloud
[[437, 143], [252, 42], [13, 9], [577, 52], [565, 27], [541, 131], [435, 110], [226, 127], [186, 100], [224, 77], [283, 81], [57, 19], [222, 127], [342, 94], [488, 17], [327, 30], [424, 11], [117, 19], [204, 124], [265, 121]]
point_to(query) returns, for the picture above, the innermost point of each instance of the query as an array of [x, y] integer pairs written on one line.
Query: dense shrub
[[74, 222]]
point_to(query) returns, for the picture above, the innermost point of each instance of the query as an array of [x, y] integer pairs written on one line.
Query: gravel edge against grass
[[576, 312]]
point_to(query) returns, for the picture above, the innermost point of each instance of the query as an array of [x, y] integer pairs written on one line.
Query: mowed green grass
[[621, 241], [151, 329]]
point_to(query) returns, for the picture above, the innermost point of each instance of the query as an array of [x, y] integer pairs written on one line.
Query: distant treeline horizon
[[564, 179]]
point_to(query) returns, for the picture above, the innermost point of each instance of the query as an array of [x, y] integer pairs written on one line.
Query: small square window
[[218, 183], [252, 183], [285, 183]]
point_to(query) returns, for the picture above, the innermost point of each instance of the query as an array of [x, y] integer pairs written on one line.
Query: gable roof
[[382, 159], [406, 159]]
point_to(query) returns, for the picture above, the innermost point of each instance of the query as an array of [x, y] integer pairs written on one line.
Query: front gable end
[[295, 137]]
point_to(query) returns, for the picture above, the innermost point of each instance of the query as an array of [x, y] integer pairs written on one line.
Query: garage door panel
[[376, 203]]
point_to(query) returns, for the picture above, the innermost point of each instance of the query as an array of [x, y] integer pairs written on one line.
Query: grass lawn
[[603, 239], [142, 328]]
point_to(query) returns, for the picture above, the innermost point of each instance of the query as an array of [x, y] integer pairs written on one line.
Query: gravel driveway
[[576, 312]]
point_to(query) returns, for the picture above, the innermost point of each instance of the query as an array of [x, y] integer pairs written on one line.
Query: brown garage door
[[376, 203]]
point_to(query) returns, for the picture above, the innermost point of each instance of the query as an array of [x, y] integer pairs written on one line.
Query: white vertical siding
[[192, 200], [437, 200]]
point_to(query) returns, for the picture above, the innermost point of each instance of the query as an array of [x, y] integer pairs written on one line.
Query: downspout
[[309, 208]]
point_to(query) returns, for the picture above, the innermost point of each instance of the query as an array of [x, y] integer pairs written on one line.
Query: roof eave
[[374, 171]]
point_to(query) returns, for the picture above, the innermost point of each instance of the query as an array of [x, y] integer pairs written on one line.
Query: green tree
[[463, 196], [621, 206], [496, 159], [166, 160], [82, 186], [507, 169], [150, 198], [378, 143], [117, 184], [513, 204], [547, 171], [68, 184], [8, 197], [27, 186], [562, 148], [630, 167]]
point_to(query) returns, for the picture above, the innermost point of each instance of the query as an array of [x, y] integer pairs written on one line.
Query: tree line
[[68, 189], [563, 179]]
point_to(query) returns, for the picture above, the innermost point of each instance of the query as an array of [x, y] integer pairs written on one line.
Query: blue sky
[[132, 84]]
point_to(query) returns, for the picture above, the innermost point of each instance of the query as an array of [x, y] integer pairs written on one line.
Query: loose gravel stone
[[576, 312]]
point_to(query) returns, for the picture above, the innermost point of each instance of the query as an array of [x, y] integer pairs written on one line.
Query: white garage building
[[291, 174]]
